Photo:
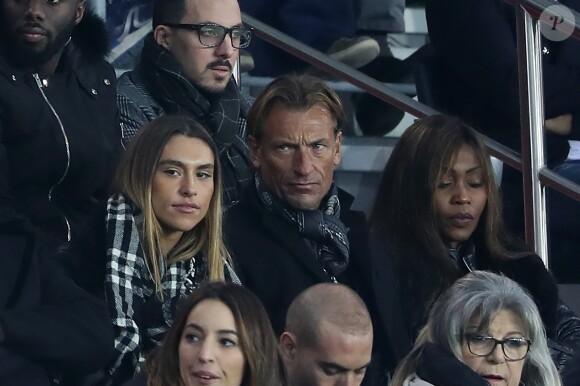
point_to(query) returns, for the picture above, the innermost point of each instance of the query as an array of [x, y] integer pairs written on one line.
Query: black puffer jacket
[[59, 135]]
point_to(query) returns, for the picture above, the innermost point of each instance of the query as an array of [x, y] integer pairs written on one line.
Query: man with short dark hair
[[294, 227], [328, 337], [186, 69]]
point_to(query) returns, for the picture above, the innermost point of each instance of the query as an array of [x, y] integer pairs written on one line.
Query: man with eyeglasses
[[186, 69]]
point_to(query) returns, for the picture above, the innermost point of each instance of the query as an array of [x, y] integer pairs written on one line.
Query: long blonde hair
[[134, 180]]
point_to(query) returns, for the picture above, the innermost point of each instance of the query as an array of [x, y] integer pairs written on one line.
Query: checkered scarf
[[220, 114], [322, 228], [139, 318]]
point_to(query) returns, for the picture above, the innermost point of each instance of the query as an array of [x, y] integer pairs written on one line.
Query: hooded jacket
[[59, 135]]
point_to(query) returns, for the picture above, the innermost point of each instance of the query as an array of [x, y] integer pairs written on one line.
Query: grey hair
[[482, 295]]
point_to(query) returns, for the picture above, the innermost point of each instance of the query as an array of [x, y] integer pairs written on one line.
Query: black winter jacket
[[51, 327], [59, 135]]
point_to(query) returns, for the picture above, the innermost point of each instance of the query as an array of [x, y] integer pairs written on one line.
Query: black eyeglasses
[[212, 35], [514, 349]]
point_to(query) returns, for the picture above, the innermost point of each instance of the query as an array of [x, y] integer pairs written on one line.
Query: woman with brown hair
[[163, 233], [221, 336], [439, 209]]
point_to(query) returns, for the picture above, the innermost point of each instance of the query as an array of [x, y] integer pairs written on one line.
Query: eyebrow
[[473, 169], [240, 24], [341, 368], [288, 142], [180, 164], [220, 331], [171, 162], [206, 166]]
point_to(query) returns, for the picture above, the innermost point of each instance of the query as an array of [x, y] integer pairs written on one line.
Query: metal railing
[[532, 165], [536, 176]]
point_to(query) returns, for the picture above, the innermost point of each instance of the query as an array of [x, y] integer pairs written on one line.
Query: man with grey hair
[[328, 337]]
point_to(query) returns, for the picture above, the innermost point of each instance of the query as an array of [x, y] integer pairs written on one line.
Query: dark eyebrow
[[363, 367], [317, 141], [194, 326], [240, 24], [171, 162], [341, 368], [222, 331], [333, 366], [206, 166], [226, 331]]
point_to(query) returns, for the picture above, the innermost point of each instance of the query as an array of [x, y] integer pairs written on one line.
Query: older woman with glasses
[[485, 330]]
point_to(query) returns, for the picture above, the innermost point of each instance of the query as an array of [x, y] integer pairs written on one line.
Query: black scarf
[[321, 227], [220, 115]]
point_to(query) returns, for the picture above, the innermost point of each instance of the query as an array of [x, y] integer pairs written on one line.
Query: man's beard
[[31, 58]]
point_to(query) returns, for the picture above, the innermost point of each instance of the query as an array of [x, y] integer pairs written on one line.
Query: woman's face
[[183, 185], [495, 368], [209, 349], [460, 197]]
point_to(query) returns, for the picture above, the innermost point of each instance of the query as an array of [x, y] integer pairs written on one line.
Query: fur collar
[[90, 37]]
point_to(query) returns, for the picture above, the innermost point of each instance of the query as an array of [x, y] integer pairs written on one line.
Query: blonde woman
[[163, 234]]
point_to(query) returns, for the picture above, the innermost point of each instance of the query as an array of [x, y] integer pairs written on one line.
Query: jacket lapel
[[287, 235]]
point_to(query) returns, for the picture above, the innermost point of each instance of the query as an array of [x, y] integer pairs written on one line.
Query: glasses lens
[[515, 348], [241, 37], [211, 35], [480, 345]]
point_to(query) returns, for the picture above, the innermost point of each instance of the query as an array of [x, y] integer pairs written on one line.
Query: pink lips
[[205, 377], [187, 207]]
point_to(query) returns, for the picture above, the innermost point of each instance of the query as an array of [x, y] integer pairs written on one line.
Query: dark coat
[[35, 149], [276, 263], [51, 326]]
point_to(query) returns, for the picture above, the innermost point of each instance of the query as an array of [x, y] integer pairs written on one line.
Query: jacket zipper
[[67, 146]]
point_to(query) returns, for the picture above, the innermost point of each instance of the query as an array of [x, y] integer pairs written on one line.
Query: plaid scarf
[[140, 318], [322, 228], [220, 115]]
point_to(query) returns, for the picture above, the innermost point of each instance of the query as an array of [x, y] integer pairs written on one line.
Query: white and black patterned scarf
[[220, 115], [322, 228]]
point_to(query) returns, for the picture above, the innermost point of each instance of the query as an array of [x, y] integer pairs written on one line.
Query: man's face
[[38, 30], [297, 153], [336, 359], [209, 68]]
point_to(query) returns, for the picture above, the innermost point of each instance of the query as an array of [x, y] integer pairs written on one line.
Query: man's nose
[[35, 9], [347, 379], [226, 49], [302, 162]]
